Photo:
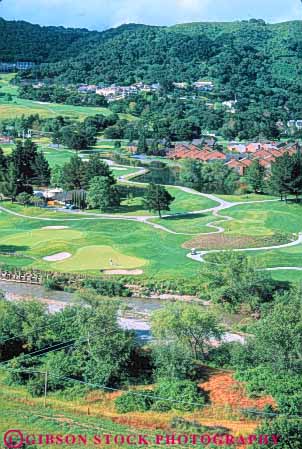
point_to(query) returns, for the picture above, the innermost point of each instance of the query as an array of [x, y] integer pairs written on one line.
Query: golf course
[[130, 239], [135, 239]]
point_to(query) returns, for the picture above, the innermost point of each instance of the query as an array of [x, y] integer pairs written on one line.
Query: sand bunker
[[56, 227], [57, 257], [132, 272]]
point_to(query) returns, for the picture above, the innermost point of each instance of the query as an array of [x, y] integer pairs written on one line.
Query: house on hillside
[[253, 147], [132, 148], [6, 139], [206, 86], [240, 166], [234, 147]]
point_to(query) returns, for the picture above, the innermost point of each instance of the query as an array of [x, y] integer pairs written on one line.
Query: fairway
[[19, 106], [102, 243], [97, 257]]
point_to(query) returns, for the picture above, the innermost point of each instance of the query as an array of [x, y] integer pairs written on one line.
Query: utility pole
[[45, 387]]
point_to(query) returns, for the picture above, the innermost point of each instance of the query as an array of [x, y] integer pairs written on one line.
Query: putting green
[[96, 258]]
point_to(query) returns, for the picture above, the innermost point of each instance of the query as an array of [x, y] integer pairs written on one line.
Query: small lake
[[161, 175]]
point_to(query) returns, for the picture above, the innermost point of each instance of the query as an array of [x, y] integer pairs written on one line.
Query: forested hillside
[[247, 50], [260, 64]]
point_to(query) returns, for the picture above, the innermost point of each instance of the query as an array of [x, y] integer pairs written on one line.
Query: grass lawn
[[192, 224], [184, 202], [5, 86], [264, 219], [247, 197], [131, 244], [67, 414], [19, 106], [63, 416]]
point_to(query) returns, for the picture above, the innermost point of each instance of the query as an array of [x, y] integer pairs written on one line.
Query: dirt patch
[[225, 391], [130, 272], [57, 257], [56, 227], [222, 241]]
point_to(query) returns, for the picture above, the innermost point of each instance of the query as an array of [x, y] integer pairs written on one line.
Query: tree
[[255, 175], [11, 185], [74, 173], [23, 158], [157, 198], [190, 174], [278, 336], [57, 176], [3, 161], [142, 146], [107, 352], [78, 137], [96, 167], [295, 184], [281, 175], [173, 358], [187, 324], [101, 194], [236, 281], [42, 170], [24, 198]]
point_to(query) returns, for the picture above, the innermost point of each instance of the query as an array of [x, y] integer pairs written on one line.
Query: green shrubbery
[[132, 401], [168, 395]]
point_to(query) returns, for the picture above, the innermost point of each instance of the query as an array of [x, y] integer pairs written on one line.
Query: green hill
[[259, 63]]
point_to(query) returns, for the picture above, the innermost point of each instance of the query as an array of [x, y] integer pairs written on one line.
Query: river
[[134, 315]]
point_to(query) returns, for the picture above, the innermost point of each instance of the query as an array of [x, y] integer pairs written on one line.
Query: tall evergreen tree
[[142, 146], [23, 157], [41, 170], [96, 167], [255, 175], [281, 175], [74, 173], [295, 184], [157, 198]]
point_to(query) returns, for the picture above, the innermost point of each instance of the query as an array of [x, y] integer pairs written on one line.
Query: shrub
[[35, 386], [132, 401], [169, 394], [179, 395], [174, 359]]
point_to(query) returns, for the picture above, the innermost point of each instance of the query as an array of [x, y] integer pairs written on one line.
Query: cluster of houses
[[15, 66], [238, 156], [5, 140], [203, 86], [114, 92], [295, 124]]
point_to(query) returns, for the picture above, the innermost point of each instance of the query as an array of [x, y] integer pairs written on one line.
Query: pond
[[161, 174]]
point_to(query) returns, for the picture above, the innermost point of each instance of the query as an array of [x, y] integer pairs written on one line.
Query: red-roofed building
[[239, 166], [253, 147], [215, 156]]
